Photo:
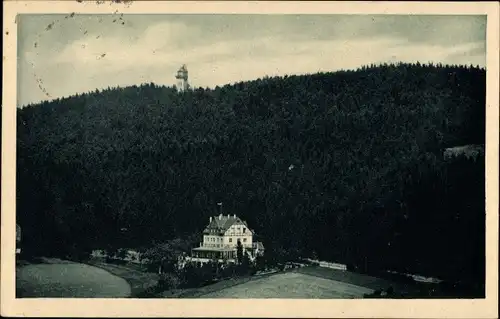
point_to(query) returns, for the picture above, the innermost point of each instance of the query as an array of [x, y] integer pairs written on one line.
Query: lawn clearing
[[401, 288], [291, 285], [346, 277], [202, 291], [138, 279], [68, 280]]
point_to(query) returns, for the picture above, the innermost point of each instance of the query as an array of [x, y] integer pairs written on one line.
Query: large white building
[[220, 240]]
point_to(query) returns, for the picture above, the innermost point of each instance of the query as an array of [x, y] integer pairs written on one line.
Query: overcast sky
[[62, 55]]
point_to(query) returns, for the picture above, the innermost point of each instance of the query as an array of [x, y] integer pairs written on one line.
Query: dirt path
[[62, 279]]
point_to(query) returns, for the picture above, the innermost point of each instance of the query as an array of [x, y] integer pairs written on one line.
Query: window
[[230, 240], [244, 240], [244, 229]]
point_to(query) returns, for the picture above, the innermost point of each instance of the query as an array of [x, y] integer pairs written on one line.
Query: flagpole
[[220, 207]]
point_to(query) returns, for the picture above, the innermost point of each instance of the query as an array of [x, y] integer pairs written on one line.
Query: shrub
[[168, 281]]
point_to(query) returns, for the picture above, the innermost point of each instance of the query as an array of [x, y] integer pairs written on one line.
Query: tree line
[[344, 165]]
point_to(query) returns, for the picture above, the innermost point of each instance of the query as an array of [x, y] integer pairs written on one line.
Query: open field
[[362, 280], [62, 278], [402, 288], [204, 290], [138, 279], [291, 285], [68, 280], [200, 292]]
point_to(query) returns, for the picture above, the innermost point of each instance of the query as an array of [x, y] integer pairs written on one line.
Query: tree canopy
[[347, 164]]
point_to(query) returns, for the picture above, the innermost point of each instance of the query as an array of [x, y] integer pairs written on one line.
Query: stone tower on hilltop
[[182, 79]]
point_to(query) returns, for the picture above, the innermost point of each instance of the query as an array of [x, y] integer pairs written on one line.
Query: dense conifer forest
[[347, 166]]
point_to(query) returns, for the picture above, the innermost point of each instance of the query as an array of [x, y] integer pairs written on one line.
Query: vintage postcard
[[250, 159]]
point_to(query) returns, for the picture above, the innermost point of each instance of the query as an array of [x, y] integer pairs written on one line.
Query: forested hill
[[345, 165]]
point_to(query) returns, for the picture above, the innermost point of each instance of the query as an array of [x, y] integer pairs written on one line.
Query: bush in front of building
[[168, 281]]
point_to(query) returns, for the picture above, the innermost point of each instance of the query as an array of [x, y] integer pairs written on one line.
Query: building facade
[[220, 240]]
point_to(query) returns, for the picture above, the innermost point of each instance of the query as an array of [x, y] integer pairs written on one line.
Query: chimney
[[234, 215], [210, 218], [220, 216]]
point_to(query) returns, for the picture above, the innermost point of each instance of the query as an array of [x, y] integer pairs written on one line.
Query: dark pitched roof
[[220, 224]]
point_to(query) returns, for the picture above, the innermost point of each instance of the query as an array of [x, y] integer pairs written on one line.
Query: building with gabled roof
[[221, 237], [220, 224]]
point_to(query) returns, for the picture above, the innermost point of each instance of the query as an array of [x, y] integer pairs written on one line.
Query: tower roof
[[182, 73]]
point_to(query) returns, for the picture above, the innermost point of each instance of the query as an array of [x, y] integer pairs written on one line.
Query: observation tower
[[182, 79]]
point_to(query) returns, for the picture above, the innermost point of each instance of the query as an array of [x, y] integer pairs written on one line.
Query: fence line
[[326, 264]]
